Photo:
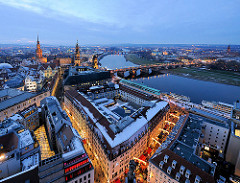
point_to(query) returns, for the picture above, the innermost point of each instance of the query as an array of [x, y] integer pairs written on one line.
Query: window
[[89, 175], [85, 177], [182, 168], [166, 158], [188, 173], [174, 163], [178, 175]]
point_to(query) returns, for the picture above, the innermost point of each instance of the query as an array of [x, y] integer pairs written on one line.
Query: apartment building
[[71, 156], [14, 101], [115, 131]]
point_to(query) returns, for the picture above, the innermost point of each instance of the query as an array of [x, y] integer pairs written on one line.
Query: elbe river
[[197, 90]]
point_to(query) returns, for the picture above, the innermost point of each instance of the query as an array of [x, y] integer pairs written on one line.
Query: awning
[[142, 157]]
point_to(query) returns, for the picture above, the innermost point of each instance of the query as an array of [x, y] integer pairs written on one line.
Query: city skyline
[[106, 22]]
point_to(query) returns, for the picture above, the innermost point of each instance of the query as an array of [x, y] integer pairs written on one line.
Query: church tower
[[77, 60], [38, 50], [39, 56], [95, 61]]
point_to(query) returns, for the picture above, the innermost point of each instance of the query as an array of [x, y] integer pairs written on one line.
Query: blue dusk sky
[[62, 22]]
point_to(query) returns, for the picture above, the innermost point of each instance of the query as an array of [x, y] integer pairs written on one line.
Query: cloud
[[126, 20]]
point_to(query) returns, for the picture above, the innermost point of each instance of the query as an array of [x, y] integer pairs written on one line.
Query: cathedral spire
[[37, 39], [39, 57]]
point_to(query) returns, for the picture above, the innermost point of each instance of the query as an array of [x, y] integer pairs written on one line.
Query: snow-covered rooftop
[[16, 117], [131, 129], [25, 138], [30, 161]]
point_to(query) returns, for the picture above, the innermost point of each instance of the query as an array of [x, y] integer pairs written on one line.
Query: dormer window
[[182, 169], [197, 179], [174, 163], [166, 158], [178, 176], [169, 170], [187, 174], [161, 164]]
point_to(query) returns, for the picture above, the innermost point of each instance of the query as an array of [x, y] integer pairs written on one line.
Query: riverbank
[[217, 76]]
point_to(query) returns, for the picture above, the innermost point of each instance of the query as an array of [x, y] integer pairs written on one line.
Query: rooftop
[[183, 164], [25, 138], [119, 130], [80, 74], [209, 115], [10, 92], [20, 97], [140, 86], [30, 161], [57, 115], [9, 142], [188, 140], [8, 126]]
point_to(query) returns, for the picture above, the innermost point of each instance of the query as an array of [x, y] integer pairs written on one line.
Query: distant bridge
[[100, 56], [145, 70]]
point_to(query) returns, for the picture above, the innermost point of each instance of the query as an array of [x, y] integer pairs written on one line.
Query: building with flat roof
[[84, 77], [152, 91], [220, 107], [116, 131], [20, 153]]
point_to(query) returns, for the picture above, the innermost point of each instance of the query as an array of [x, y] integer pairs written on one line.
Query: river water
[[197, 90]]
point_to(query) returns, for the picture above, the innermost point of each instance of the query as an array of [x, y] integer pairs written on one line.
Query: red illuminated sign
[[71, 168]]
